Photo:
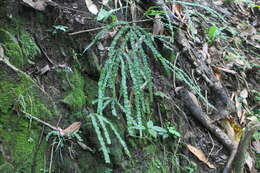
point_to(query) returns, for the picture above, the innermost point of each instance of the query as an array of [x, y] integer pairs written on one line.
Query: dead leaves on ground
[[200, 155]]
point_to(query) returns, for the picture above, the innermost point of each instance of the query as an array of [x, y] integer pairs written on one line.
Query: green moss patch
[[75, 97], [18, 50]]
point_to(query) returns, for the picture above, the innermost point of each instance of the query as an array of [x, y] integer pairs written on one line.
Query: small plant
[[103, 15], [156, 131], [153, 11], [59, 28], [172, 130], [125, 71]]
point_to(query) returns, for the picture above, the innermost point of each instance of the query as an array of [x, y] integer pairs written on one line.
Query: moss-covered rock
[[18, 50], [18, 135]]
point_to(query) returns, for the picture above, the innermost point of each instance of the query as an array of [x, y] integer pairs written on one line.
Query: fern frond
[[100, 137]]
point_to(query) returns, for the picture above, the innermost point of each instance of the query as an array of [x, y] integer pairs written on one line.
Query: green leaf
[[256, 136], [159, 129], [149, 124], [104, 14], [153, 133], [174, 132], [213, 30]]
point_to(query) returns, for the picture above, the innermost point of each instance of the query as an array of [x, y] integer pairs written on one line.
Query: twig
[[52, 150], [40, 121], [102, 27]]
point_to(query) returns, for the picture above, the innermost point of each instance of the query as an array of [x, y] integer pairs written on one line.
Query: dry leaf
[[230, 131], [177, 9], [226, 70], [200, 155], [1, 52], [91, 7], [237, 129], [218, 75], [73, 128], [37, 4]]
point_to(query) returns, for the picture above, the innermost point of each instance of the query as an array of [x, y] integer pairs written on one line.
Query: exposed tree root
[[198, 114]]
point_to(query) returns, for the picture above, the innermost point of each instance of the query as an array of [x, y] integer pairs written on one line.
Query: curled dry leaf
[[91, 7], [200, 155], [73, 128]]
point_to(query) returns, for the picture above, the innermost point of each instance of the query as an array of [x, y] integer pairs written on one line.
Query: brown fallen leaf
[[177, 9], [73, 128], [200, 155], [227, 70]]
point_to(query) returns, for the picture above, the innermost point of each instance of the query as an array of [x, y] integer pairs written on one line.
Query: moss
[[28, 45], [18, 51], [257, 165], [16, 133], [91, 90], [19, 143], [15, 54], [6, 168], [10, 90], [75, 97], [6, 36], [156, 166]]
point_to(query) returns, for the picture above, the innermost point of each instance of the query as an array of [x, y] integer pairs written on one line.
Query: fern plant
[[128, 62]]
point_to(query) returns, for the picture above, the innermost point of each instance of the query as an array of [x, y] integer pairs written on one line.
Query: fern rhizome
[[128, 61]]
